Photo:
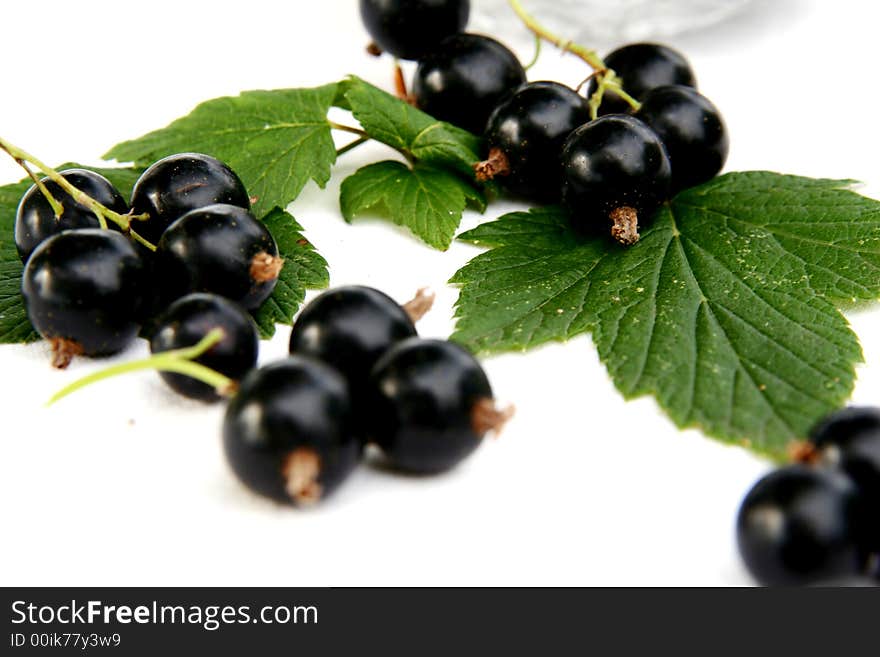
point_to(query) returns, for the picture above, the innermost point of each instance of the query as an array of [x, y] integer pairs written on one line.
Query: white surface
[[125, 483]]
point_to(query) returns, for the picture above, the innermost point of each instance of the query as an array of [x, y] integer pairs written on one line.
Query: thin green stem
[[351, 146], [141, 240], [177, 360], [537, 54], [347, 128], [101, 211], [55, 204]]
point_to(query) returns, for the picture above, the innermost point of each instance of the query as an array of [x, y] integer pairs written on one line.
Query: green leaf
[[276, 141], [724, 310], [14, 324], [426, 200], [304, 268], [409, 130]]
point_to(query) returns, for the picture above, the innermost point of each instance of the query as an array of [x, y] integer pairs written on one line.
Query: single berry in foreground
[[642, 67], [179, 183], [350, 327], [287, 433], [82, 290], [221, 249], [800, 525], [465, 78], [691, 129], [430, 405], [524, 139], [615, 175], [410, 29], [35, 220], [189, 320]]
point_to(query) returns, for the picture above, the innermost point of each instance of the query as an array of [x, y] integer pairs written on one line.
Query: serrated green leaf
[[303, 269], [723, 310], [14, 324], [276, 141], [427, 201], [409, 130]]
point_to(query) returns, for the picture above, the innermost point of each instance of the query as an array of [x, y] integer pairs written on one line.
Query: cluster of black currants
[[357, 374], [613, 171], [90, 290], [817, 521]]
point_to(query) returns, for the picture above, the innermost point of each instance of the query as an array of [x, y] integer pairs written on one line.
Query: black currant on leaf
[[287, 432], [801, 525], [189, 320], [350, 327], [615, 175], [82, 290], [179, 183], [525, 135], [430, 405], [642, 67], [221, 249], [464, 79], [692, 130], [410, 29], [35, 219]]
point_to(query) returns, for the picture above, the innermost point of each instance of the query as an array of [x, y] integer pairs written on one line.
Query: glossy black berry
[[287, 432], [179, 183], [692, 130], [410, 29], [221, 249], [642, 67], [528, 130], [35, 220], [465, 78], [82, 290], [429, 405], [849, 440], [350, 328], [800, 525], [187, 321], [615, 174]]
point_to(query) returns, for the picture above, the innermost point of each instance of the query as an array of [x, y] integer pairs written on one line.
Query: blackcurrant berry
[[800, 525], [179, 183], [287, 432], [691, 129], [525, 135], [187, 321], [82, 290], [350, 328], [615, 173], [642, 67], [221, 249], [409, 29], [430, 405], [465, 78], [850, 440], [35, 220]]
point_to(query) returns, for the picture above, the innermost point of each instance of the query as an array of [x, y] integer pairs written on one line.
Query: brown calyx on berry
[[265, 267], [419, 305], [400, 89], [301, 469], [486, 416], [625, 225], [493, 166], [803, 451], [64, 351], [373, 49]]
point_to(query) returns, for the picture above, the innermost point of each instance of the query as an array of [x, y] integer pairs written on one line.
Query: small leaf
[[304, 268], [409, 130], [426, 200], [276, 141], [14, 324], [723, 311]]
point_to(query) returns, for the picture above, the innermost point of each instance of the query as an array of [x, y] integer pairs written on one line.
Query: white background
[[125, 484]]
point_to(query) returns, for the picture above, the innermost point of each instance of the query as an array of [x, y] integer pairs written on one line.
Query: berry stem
[[55, 204], [537, 54], [606, 79], [23, 158], [177, 360]]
